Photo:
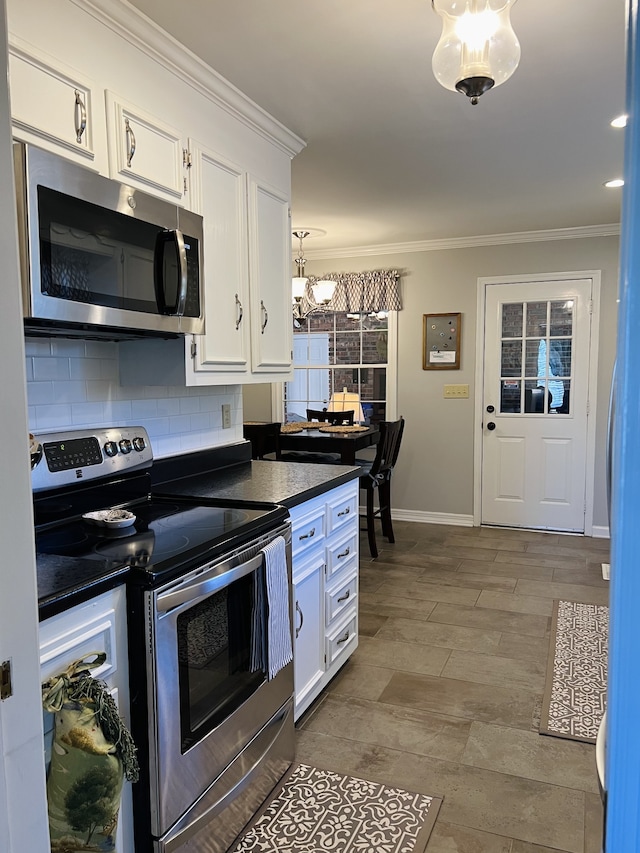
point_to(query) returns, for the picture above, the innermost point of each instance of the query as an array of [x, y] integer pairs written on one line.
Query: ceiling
[[391, 156]]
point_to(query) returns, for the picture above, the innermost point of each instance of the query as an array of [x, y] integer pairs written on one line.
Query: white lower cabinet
[[98, 625], [325, 589]]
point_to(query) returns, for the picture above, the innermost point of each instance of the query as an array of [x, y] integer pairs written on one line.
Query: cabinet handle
[[345, 596], [345, 511], [265, 316], [80, 117], [344, 553], [308, 535], [239, 312], [299, 627], [343, 639], [131, 141]]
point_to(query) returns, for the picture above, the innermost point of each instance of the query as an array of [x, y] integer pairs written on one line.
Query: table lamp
[[347, 401]]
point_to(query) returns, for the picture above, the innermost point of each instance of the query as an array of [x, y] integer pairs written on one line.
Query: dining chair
[[376, 477], [264, 438], [332, 418]]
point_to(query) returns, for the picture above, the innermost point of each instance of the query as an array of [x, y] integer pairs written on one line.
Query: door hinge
[[184, 186], [194, 348], [6, 688], [186, 158], [588, 408], [591, 306]]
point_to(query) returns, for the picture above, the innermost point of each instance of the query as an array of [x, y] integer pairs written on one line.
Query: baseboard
[[432, 517], [600, 531]]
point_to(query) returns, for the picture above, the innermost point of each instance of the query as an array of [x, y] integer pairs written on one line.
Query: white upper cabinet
[[144, 150], [247, 295], [269, 278], [53, 106], [218, 189]]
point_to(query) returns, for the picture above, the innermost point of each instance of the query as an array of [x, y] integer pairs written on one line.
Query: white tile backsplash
[[73, 384]]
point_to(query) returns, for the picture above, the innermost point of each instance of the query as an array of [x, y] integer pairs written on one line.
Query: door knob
[[491, 425]]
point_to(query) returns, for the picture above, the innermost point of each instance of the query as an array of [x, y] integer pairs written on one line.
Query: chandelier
[[478, 49], [321, 291]]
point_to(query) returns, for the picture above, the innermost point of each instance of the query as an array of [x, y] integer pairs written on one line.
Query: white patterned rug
[[317, 811], [576, 687]]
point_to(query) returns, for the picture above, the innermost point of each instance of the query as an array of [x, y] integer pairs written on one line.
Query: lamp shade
[[297, 287], [478, 48], [346, 401], [323, 291]]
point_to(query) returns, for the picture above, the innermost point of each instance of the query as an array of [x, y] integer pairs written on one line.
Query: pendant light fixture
[[298, 282], [322, 290], [478, 48]]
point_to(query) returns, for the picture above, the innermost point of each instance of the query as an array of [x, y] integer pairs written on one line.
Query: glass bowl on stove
[[110, 518]]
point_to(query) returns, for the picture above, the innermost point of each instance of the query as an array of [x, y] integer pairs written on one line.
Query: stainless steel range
[[212, 718]]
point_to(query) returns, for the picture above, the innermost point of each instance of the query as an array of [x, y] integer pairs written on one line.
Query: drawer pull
[[345, 596], [299, 627], [344, 553], [308, 535], [344, 638], [345, 511], [131, 141]]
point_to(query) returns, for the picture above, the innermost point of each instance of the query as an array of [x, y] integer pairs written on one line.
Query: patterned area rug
[[576, 686], [317, 811]]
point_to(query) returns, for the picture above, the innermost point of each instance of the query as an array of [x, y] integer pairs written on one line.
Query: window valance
[[362, 292]]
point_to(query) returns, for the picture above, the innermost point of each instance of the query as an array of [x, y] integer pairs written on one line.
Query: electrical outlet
[[456, 391], [226, 416]]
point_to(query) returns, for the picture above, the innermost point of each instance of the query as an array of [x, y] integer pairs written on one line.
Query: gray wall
[[435, 469]]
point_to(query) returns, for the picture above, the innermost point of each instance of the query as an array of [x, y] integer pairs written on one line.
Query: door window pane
[[512, 320], [534, 397], [535, 364], [536, 319], [561, 319], [560, 357], [510, 396], [511, 362]]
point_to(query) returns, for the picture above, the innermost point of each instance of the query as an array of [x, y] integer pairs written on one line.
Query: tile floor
[[443, 695]]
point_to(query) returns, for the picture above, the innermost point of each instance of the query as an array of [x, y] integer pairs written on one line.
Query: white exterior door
[[535, 404]]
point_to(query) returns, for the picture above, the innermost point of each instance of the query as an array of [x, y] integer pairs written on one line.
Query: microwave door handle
[[176, 237], [201, 588]]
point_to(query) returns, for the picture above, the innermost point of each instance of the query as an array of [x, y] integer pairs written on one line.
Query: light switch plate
[[456, 392], [226, 416]]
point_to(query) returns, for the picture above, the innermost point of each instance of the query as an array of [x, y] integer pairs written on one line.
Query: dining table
[[346, 443]]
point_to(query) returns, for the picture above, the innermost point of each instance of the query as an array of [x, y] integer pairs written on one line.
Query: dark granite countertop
[[286, 483], [64, 582], [221, 473]]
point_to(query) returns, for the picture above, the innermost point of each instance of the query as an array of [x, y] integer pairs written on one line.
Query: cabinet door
[[308, 648], [144, 151], [52, 106], [218, 194], [270, 279]]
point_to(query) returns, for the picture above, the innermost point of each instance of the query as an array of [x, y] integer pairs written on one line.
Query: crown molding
[[130, 24], [612, 230]]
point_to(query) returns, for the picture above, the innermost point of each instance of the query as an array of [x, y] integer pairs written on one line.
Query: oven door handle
[[205, 586]]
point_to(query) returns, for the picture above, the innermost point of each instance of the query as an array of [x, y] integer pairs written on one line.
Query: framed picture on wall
[[441, 341]]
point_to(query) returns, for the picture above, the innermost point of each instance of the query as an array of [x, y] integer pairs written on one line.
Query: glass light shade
[[478, 48], [297, 287], [323, 291]]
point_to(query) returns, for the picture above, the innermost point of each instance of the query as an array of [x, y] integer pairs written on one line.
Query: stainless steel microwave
[[100, 258]]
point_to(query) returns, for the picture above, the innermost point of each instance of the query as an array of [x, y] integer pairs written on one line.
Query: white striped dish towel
[[279, 647]]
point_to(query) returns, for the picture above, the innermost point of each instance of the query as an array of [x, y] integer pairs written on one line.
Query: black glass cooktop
[[169, 535]]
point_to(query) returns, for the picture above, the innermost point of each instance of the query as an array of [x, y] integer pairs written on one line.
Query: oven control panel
[[62, 458]]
